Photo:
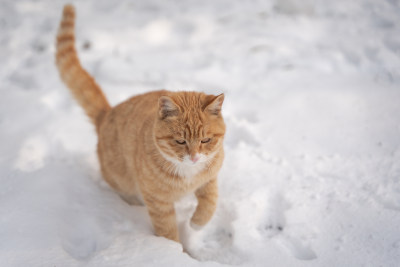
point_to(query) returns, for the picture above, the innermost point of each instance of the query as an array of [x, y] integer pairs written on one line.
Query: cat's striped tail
[[83, 86]]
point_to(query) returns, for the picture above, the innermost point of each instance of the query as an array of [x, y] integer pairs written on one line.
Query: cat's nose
[[194, 158]]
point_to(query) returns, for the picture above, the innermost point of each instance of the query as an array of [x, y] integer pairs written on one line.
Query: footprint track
[[270, 224]]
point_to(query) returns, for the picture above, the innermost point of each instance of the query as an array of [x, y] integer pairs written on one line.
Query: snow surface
[[311, 176]]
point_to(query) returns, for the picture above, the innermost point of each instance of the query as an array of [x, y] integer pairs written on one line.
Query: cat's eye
[[181, 142], [206, 140]]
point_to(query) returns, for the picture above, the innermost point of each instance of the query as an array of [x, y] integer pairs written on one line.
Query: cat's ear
[[167, 107], [214, 104]]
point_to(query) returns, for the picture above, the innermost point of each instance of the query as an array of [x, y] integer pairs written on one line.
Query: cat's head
[[190, 128]]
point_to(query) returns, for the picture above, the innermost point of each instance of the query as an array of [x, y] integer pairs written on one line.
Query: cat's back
[[126, 125], [132, 114], [123, 129], [139, 107]]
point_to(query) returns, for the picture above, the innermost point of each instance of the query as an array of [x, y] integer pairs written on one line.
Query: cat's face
[[190, 129]]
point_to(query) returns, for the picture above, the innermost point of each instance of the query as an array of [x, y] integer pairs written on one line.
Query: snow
[[312, 94]]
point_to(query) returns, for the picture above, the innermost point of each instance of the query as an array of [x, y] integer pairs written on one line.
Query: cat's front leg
[[162, 214], [207, 197]]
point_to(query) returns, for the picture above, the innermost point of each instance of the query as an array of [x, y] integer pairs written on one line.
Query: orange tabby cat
[[155, 147]]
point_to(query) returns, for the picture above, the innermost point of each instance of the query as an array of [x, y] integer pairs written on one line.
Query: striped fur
[[153, 148], [83, 87]]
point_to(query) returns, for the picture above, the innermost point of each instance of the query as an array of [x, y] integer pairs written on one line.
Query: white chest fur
[[187, 168]]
